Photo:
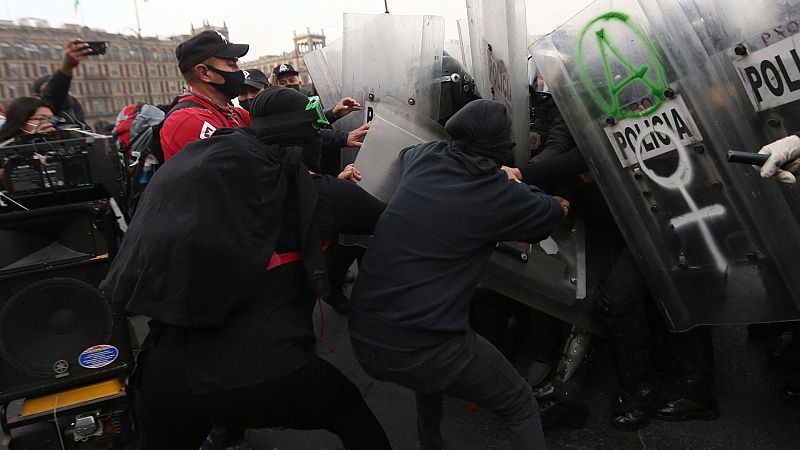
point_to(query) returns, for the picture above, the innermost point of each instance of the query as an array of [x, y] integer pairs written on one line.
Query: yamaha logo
[[60, 367]]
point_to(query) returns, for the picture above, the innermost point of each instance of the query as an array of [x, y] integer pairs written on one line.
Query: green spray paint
[[653, 75]]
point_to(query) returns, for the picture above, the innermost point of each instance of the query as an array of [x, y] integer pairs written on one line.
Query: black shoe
[[632, 411], [688, 407], [792, 396], [629, 413]]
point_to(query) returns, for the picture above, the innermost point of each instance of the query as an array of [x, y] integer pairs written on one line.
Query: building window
[[13, 71], [134, 70], [43, 70], [44, 51], [114, 70], [98, 106]]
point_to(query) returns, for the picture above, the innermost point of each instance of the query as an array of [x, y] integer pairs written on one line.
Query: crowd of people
[[251, 200]]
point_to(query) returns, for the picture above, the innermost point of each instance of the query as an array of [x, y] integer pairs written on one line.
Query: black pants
[[318, 396], [339, 259], [466, 367]]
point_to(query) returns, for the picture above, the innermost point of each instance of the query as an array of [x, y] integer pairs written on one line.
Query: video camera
[[42, 171]]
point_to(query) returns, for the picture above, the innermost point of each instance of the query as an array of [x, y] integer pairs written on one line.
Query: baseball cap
[[255, 78], [282, 69], [205, 45]]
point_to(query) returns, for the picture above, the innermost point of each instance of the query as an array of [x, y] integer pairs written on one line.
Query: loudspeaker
[[55, 235], [57, 330]]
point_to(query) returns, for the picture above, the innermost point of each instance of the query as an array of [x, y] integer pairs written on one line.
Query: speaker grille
[[51, 320]]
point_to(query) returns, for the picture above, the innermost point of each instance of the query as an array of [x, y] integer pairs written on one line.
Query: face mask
[[245, 104], [233, 82], [296, 87]]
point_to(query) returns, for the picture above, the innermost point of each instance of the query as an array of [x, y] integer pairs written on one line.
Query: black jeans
[[466, 367], [318, 396]]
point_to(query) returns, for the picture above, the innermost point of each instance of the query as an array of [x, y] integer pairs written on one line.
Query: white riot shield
[[655, 93], [498, 41], [396, 56], [325, 67]]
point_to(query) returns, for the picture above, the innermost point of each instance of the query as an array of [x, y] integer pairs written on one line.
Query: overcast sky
[[266, 25]]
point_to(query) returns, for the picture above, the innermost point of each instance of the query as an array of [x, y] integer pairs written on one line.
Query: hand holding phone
[[97, 47]]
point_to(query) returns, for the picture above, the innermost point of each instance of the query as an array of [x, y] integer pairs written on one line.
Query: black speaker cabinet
[[57, 330]]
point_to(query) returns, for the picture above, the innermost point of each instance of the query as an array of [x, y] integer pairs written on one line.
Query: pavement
[[747, 388]]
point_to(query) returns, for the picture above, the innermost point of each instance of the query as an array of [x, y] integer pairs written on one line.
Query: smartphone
[[98, 47]]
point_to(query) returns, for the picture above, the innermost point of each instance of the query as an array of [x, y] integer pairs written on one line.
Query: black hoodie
[[438, 231]]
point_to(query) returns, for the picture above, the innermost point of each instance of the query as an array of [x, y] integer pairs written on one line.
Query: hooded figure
[[409, 316], [284, 120], [225, 255]]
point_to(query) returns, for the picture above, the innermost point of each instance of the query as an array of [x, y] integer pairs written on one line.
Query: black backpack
[[137, 131]]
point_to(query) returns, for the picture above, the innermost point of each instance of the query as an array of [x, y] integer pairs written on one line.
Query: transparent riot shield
[[652, 94], [498, 40], [466, 48], [394, 126], [325, 67], [397, 56]]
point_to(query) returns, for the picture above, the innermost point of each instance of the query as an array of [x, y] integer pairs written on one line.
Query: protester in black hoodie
[[409, 321], [225, 255]]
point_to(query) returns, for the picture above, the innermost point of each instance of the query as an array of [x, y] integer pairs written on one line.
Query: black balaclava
[[279, 117], [232, 86], [482, 128], [246, 104]]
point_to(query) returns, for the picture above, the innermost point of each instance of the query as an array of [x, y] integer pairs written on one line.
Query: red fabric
[[194, 123], [123, 128], [279, 259]]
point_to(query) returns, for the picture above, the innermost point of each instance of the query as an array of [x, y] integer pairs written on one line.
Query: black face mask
[[245, 104], [233, 82], [296, 87]]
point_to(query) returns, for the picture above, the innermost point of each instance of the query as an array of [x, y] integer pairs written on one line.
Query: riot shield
[[466, 48], [397, 56], [325, 67], [653, 96], [498, 41], [394, 126]]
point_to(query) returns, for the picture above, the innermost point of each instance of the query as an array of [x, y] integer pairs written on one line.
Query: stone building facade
[[131, 70], [303, 43]]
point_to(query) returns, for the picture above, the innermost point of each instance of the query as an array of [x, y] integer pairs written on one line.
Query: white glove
[[783, 159]]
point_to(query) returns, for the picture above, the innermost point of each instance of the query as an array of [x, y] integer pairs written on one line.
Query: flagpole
[[143, 52]]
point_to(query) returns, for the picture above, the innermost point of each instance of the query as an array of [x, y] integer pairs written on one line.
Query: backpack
[[137, 131]]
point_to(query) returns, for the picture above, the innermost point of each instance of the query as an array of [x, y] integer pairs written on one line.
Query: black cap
[[283, 69], [205, 45], [255, 78]]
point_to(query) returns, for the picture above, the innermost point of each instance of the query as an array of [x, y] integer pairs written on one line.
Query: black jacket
[[433, 241], [332, 142], [56, 94], [557, 159]]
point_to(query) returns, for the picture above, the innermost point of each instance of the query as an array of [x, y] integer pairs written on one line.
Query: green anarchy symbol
[[652, 76]]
